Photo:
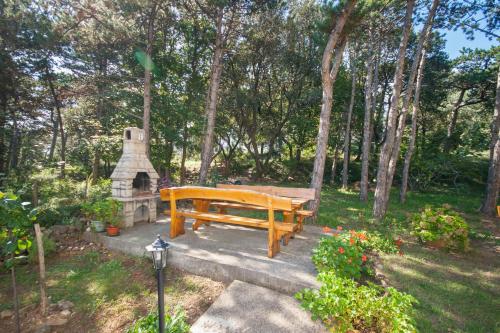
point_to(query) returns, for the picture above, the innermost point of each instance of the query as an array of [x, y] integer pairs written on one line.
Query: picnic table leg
[[273, 242], [200, 206], [176, 222], [288, 217]]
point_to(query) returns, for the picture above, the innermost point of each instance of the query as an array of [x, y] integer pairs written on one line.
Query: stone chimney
[[135, 180]]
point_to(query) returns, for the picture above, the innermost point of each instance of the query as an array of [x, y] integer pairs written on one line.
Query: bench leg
[[198, 223], [288, 217], [300, 220], [221, 210], [273, 245], [200, 206], [177, 226]]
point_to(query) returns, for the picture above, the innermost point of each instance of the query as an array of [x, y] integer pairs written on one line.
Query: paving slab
[[246, 308], [226, 253]]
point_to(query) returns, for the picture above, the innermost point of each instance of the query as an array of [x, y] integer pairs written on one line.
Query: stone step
[[248, 308]]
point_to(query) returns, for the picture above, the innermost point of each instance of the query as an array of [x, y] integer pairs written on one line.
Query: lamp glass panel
[[164, 259], [157, 256]]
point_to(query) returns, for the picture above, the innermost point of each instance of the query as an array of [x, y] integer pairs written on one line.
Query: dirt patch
[[109, 290]]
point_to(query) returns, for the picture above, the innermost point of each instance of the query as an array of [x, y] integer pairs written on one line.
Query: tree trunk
[[334, 165], [381, 200], [328, 77], [184, 154], [95, 167], [148, 65], [41, 265], [3, 122], [422, 43], [453, 121], [169, 151], [59, 121], [14, 144], [493, 184], [347, 136], [367, 128], [55, 129], [413, 134], [211, 100]]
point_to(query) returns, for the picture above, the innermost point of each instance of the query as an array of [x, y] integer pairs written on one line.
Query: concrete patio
[[227, 253]]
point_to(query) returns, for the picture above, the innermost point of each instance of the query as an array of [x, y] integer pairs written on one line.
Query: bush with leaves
[[443, 225], [343, 253], [175, 323], [49, 248], [344, 306], [16, 221]]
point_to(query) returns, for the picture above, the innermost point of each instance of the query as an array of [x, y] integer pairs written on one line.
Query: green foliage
[[16, 220], [175, 323], [49, 248], [343, 305], [376, 242], [441, 224], [341, 253], [99, 191], [107, 211]]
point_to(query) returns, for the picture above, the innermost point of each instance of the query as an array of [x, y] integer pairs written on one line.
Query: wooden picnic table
[[299, 197]]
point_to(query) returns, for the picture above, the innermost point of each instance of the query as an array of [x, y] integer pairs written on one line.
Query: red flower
[[362, 236], [352, 241], [399, 241], [341, 250], [339, 228], [327, 230], [363, 258]]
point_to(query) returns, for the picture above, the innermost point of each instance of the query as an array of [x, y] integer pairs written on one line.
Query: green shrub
[[343, 305], [99, 191], [342, 253], [175, 323], [49, 248], [107, 211], [48, 216], [441, 224]]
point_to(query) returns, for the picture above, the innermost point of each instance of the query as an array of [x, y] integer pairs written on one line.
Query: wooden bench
[[202, 196], [299, 197]]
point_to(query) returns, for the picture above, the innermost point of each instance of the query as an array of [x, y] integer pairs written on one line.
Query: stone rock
[[5, 314], [53, 307], [65, 313], [65, 305], [57, 320], [44, 328]]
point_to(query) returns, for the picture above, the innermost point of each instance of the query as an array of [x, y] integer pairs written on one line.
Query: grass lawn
[[109, 291], [456, 292]]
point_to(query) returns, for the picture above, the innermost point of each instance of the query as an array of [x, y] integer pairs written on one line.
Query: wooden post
[[41, 265], [272, 242], [173, 215], [34, 194]]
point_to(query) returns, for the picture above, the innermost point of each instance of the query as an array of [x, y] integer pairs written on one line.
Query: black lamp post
[[159, 251]]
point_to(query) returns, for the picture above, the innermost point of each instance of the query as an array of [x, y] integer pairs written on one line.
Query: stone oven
[[135, 180]]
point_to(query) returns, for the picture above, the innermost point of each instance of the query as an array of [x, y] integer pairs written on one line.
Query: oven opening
[[141, 184]]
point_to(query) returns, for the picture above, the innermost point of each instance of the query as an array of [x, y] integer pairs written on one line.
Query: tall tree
[[225, 18], [423, 37], [493, 183], [347, 134], [327, 80], [413, 133], [381, 199]]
